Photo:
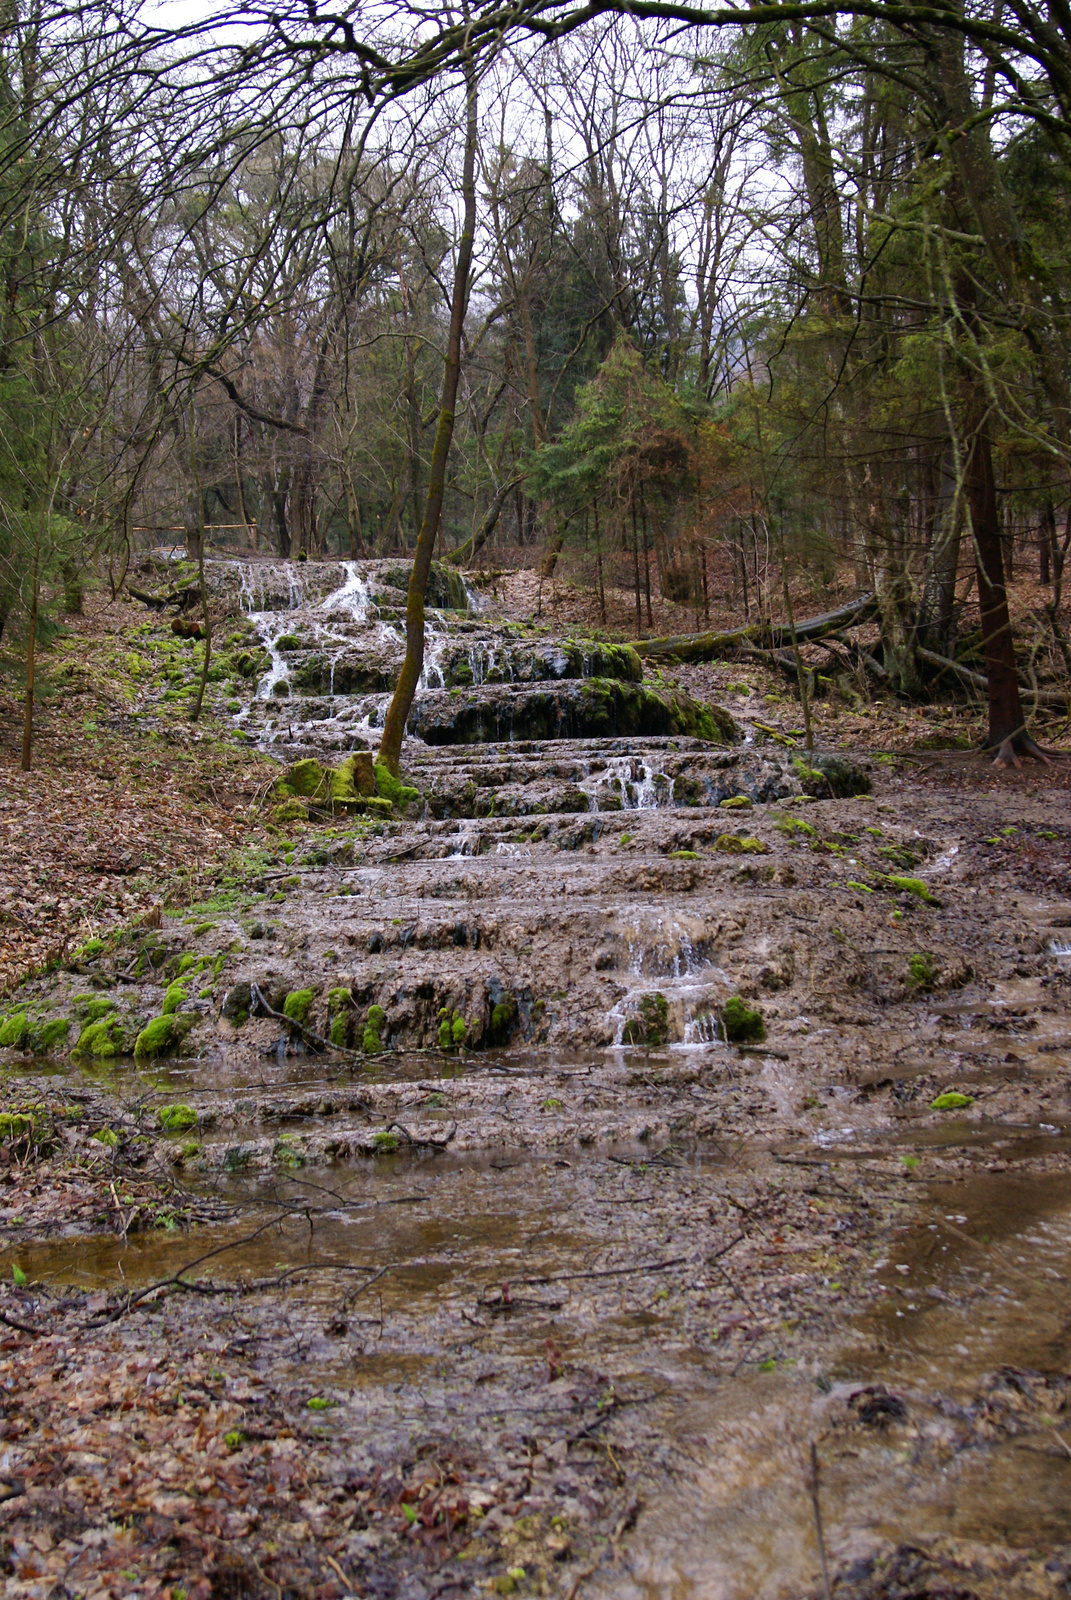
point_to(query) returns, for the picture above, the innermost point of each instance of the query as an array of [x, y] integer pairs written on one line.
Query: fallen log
[[181, 599], [1044, 697], [711, 646]]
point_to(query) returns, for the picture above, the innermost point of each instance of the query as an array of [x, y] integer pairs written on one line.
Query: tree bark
[[390, 747], [1007, 725], [31, 647]]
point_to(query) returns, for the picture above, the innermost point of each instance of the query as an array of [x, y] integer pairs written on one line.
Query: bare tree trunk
[[390, 747], [31, 646], [598, 562], [1007, 726], [199, 702]]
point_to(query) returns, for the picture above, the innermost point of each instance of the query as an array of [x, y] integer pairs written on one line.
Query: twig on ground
[[827, 1591]]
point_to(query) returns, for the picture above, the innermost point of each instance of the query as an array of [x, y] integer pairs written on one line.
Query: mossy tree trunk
[[390, 748]]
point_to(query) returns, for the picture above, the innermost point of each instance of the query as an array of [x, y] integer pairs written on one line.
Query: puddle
[[972, 1339]]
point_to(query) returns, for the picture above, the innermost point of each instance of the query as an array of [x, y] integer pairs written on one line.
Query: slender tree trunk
[[598, 562], [467, 552], [31, 646], [72, 589], [390, 748], [636, 570], [207, 618], [1007, 725], [1046, 541], [646, 560]]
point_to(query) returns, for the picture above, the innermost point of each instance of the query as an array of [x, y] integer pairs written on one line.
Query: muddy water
[[977, 1307], [405, 1250]]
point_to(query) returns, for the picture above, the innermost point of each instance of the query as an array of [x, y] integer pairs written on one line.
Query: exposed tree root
[[1010, 752]]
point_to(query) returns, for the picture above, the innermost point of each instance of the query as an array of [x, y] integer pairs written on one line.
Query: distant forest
[[787, 293]]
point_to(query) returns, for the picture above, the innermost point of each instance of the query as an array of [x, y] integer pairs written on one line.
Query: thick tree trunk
[[390, 747]]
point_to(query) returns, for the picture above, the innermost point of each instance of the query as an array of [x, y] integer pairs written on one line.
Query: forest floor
[[571, 1322]]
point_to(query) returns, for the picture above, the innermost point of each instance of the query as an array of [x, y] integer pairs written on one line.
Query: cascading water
[[636, 781]]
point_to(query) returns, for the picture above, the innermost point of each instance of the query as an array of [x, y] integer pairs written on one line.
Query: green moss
[[736, 802], [15, 1031], [377, 1018], [377, 806], [458, 1031], [291, 811], [160, 1034], [97, 1007], [732, 844], [308, 778], [684, 855], [952, 1100], [913, 886], [392, 789], [50, 1034], [177, 1118], [353, 780], [13, 1125], [384, 1141], [297, 1005], [740, 1023], [174, 997], [340, 1031], [338, 1000], [503, 1020], [650, 1025], [370, 1042], [793, 825], [101, 1039], [106, 1136], [188, 959], [203, 928], [921, 971]]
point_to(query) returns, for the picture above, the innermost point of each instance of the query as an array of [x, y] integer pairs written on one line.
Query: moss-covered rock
[[50, 1035], [586, 709], [177, 1118], [297, 1006], [294, 810], [649, 1024], [823, 773], [104, 1038], [175, 996], [354, 779], [91, 1010], [308, 779], [14, 1126], [503, 1021], [161, 1035], [15, 1031], [913, 886], [734, 844], [741, 1024]]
